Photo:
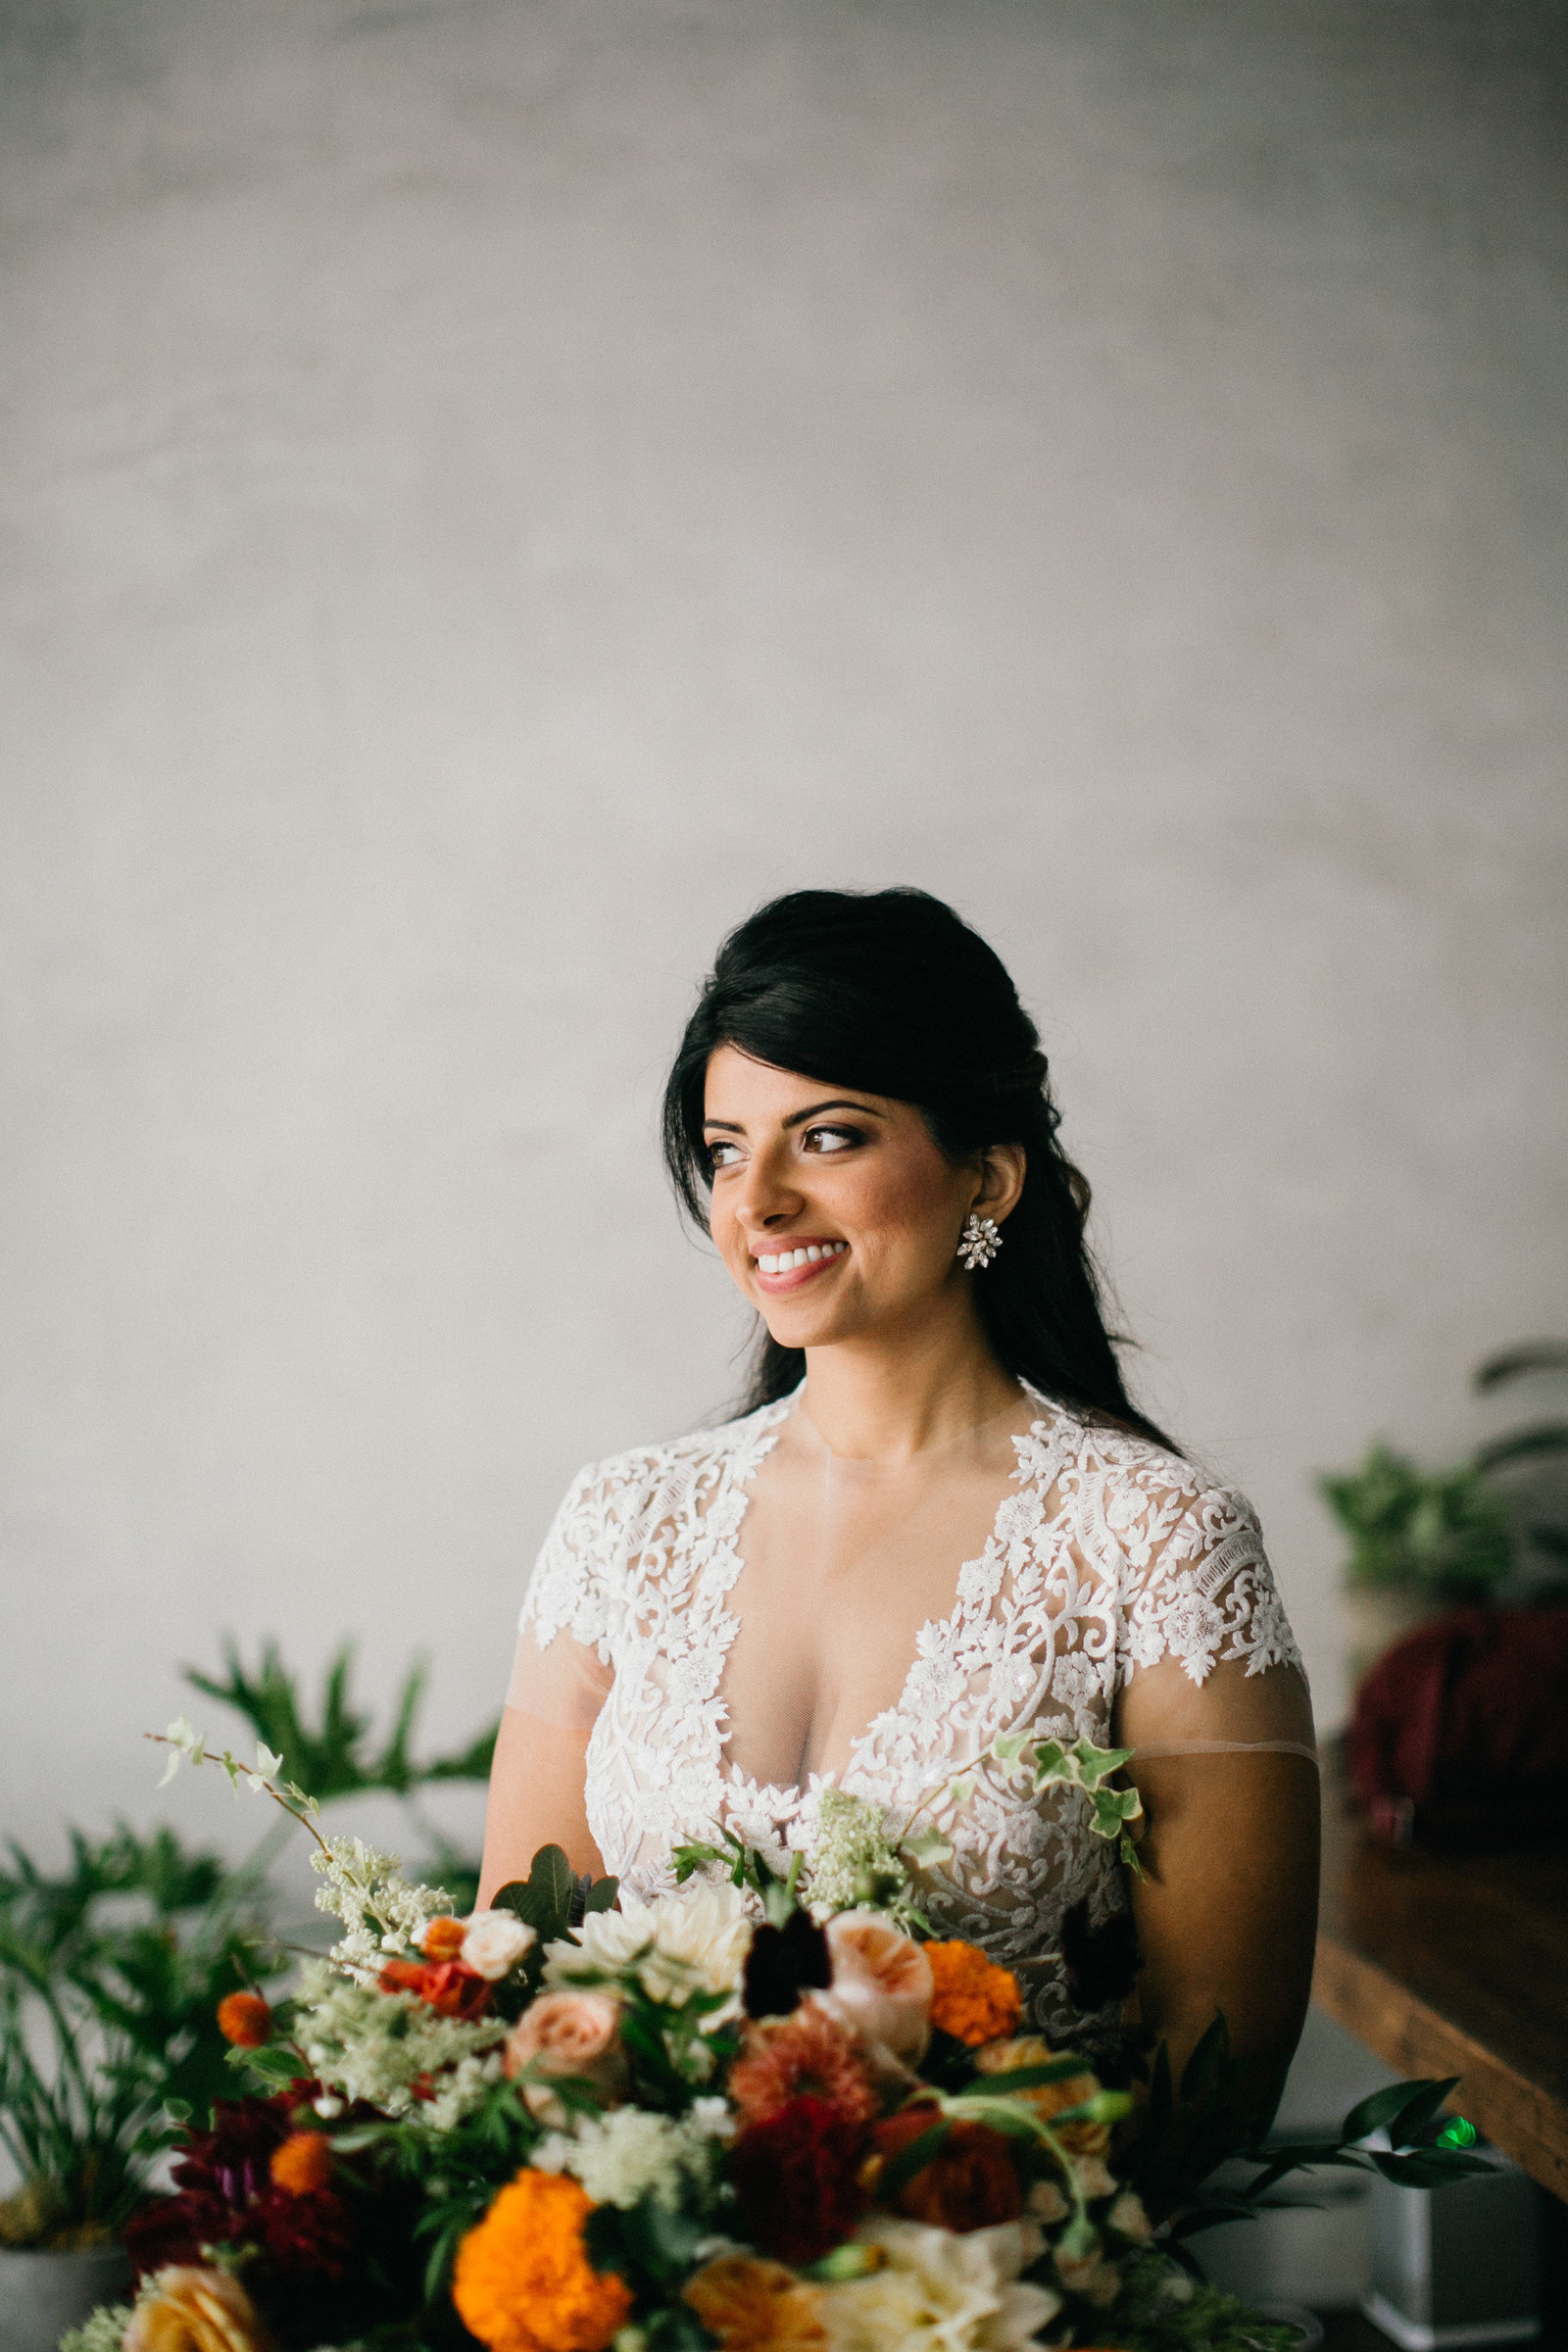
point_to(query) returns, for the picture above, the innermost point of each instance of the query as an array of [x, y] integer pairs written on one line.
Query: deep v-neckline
[[972, 1599]]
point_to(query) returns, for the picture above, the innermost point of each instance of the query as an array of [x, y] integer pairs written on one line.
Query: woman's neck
[[882, 1396]]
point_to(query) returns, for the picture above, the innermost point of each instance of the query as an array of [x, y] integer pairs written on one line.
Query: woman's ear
[[1003, 1169]]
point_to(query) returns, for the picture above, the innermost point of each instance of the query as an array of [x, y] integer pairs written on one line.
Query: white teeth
[[769, 1265], [813, 1254]]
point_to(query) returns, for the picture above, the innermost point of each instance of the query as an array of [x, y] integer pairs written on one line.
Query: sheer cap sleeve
[[1208, 1664], [563, 1668]]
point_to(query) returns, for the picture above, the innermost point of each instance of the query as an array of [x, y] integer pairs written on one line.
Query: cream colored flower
[[939, 2292], [1093, 2176], [189, 2309], [494, 1943], [1129, 2219], [882, 1982], [1047, 2202], [1089, 2275], [679, 1944]]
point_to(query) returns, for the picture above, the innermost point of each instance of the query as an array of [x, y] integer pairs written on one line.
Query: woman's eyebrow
[[813, 1111], [839, 1103]]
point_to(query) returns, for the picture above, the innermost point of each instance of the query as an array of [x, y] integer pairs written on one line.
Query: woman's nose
[[765, 1197]]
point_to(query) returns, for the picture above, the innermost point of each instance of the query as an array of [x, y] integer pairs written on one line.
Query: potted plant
[[109, 1972], [1425, 1541]]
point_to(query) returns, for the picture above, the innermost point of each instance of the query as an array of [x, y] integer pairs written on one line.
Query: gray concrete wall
[[492, 489]]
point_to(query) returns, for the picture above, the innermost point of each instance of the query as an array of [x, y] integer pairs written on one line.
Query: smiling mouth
[[788, 1269]]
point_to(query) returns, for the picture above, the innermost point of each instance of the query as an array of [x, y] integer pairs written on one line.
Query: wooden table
[[1454, 1963]]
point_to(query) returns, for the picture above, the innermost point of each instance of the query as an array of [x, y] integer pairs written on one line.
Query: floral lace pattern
[[1108, 1556]]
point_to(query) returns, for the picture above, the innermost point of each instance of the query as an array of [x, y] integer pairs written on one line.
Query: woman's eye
[[723, 1155], [831, 1139]]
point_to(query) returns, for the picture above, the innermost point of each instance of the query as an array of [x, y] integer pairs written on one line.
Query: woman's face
[[852, 1180]]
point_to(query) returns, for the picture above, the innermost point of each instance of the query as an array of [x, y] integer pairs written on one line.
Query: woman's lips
[[796, 1264]]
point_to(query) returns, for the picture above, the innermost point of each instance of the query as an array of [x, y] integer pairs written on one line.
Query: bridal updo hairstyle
[[890, 992]]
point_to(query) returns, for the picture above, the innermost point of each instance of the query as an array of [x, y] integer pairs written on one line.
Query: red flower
[[450, 1988], [227, 2196], [969, 2183], [794, 2176]]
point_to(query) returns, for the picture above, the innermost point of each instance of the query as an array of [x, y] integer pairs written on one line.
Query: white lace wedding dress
[[688, 1594]]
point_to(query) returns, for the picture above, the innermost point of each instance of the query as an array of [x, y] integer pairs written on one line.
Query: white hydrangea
[[630, 2153], [374, 2045], [678, 1944], [382, 1911], [103, 2330], [851, 1863], [940, 2290]]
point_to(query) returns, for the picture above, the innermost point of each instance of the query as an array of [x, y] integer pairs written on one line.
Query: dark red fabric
[[1460, 1733]]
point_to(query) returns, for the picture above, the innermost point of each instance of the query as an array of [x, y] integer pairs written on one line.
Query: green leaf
[[551, 1882], [1429, 2168], [1023, 2077], [1207, 2059], [1370, 2115], [1422, 2110], [602, 1895], [1510, 1363], [900, 2168], [1529, 1445]]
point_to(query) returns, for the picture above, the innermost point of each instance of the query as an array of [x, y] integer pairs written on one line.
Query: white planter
[[41, 2295], [1376, 1616]]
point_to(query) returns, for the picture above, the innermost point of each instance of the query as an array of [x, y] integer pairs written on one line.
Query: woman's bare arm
[[1227, 1913], [536, 1798]]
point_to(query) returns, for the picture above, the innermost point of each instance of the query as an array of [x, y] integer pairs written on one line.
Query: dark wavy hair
[[890, 992]]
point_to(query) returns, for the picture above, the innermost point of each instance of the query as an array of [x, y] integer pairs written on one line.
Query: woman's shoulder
[[1169, 1514], [629, 1483], [1120, 1456]]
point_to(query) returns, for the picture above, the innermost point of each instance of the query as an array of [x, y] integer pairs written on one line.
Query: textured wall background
[[494, 488]]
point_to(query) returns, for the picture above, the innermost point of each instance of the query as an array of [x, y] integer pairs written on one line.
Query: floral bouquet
[[758, 2112]]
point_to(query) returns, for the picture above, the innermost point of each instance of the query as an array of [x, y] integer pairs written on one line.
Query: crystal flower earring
[[979, 1243]]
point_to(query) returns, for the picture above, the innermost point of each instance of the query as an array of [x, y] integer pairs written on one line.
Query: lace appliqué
[[1108, 1556]]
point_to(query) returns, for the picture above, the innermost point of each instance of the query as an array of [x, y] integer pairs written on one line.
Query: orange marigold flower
[[1048, 2099], [443, 1940], [523, 2282], [754, 2306], [302, 2164], [807, 2052], [245, 2020], [974, 2001]]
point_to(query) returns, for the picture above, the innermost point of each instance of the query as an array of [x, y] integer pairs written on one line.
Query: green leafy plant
[[110, 1972], [337, 1754], [1450, 1533], [1446, 1531]]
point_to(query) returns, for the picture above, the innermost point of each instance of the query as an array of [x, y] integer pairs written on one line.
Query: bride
[[938, 1519]]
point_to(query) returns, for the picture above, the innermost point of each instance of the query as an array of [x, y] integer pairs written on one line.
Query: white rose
[[938, 2288], [495, 1942], [696, 1942]]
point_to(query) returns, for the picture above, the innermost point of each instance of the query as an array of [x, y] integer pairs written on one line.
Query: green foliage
[[335, 1758], [110, 1972], [1189, 2130], [1446, 1531], [550, 1900], [1160, 2309]]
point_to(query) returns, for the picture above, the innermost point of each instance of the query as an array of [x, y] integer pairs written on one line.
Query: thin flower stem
[[161, 1739]]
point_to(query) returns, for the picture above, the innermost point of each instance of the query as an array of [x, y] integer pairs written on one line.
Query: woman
[[940, 1517]]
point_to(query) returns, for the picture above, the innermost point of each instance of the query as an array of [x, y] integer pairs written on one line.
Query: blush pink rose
[[882, 1983], [565, 2033]]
